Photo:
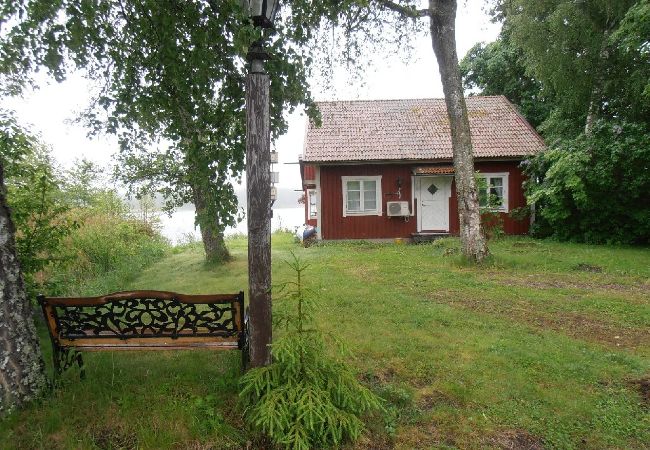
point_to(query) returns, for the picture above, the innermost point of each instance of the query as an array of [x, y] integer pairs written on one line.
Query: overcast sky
[[51, 109]]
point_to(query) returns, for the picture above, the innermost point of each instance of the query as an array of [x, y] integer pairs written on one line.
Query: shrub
[[34, 195], [594, 188], [305, 398], [106, 251], [71, 232]]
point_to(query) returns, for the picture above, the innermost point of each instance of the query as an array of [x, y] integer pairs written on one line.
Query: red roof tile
[[431, 170], [377, 130]]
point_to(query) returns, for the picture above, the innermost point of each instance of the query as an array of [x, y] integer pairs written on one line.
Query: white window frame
[[504, 181], [344, 186], [312, 214]]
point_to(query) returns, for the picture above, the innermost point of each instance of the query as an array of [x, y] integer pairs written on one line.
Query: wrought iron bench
[[143, 320]]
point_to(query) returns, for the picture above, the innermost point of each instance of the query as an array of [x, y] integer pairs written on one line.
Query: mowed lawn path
[[547, 346]]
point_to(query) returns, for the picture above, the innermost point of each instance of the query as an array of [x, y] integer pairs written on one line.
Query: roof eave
[[414, 161]]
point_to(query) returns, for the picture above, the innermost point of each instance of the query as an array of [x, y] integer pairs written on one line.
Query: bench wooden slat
[[135, 295], [158, 348], [109, 343]]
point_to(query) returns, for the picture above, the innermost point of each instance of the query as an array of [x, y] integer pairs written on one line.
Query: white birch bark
[[22, 376]]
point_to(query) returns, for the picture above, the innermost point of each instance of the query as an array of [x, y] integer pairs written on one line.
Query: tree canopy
[[580, 72], [169, 79], [496, 69], [589, 58]]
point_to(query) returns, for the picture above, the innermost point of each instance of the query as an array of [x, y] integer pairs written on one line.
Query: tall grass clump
[[305, 398], [74, 234], [108, 249]]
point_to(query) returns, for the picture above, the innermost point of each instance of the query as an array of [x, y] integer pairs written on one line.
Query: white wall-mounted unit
[[398, 209]]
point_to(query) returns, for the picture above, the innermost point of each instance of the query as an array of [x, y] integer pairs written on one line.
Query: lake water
[[180, 226]]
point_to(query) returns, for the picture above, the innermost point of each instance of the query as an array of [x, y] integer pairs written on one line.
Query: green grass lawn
[[547, 346]]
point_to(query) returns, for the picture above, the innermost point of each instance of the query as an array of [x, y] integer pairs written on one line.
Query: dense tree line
[[580, 73]]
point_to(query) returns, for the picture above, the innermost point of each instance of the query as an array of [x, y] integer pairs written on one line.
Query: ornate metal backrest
[[144, 316]]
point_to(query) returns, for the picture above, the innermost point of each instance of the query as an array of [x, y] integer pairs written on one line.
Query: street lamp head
[[261, 12]]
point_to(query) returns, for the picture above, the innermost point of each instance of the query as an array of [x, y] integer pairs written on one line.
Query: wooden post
[[258, 188]]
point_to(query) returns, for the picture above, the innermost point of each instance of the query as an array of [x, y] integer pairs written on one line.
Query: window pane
[[498, 191], [370, 195], [354, 185], [354, 205], [370, 186], [482, 197], [496, 181], [370, 203], [312, 205], [354, 198], [496, 196]]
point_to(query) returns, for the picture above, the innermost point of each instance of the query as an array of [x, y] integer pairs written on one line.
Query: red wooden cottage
[[383, 168]]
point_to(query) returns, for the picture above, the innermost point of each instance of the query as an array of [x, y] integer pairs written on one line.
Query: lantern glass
[[261, 12]]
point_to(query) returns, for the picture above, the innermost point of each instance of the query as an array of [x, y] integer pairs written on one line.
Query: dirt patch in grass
[[374, 442], [379, 377], [195, 445], [425, 436], [575, 325], [590, 329], [534, 281], [516, 440], [584, 267], [431, 399], [114, 437], [642, 386]]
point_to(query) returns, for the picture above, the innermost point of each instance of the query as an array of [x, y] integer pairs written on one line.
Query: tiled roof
[[377, 130], [434, 170]]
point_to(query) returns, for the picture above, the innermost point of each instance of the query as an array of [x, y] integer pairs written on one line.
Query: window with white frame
[[493, 191], [313, 212], [362, 196]]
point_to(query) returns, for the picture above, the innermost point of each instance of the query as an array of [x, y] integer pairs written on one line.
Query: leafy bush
[[107, 250], [73, 235], [595, 188], [305, 398], [34, 195]]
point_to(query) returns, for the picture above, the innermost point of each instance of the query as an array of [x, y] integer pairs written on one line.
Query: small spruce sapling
[[305, 398]]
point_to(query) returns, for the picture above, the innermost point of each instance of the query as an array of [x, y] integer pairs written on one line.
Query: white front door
[[433, 203]]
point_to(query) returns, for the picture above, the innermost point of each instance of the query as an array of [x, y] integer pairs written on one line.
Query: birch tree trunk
[[22, 375], [443, 37], [213, 241]]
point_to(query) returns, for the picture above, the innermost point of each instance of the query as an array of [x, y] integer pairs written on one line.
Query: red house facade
[[383, 169]]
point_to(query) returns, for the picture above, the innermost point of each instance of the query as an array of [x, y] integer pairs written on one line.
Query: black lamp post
[[261, 12], [258, 186]]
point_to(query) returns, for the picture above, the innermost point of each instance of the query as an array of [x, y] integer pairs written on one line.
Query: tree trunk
[[591, 114], [213, 241], [594, 95], [443, 17], [22, 375]]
